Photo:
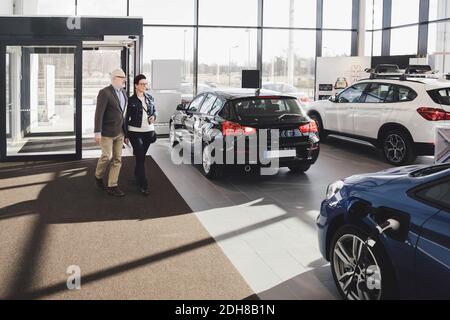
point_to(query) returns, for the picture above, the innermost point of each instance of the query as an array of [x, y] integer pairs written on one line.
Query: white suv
[[397, 116]]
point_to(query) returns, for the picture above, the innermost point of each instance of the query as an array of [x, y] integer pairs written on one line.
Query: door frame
[[78, 81], [63, 31]]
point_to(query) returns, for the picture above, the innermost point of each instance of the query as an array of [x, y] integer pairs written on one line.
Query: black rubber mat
[[57, 145]]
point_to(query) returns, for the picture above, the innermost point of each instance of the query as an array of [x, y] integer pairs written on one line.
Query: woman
[[140, 118]]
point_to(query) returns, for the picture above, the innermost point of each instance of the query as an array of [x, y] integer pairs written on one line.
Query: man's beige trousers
[[111, 153]]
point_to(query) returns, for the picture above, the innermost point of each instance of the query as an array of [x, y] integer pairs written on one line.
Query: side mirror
[[181, 107]]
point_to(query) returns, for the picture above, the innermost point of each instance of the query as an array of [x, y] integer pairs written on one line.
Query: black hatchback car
[[247, 118]]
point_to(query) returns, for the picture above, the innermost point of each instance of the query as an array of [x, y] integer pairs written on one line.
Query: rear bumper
[[424, 149], [307, 153]]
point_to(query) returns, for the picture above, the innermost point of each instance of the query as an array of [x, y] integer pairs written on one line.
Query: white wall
[[6, 7], [329, 69], [26, 7]]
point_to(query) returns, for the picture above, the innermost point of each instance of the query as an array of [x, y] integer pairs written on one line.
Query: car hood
[[380, 178]]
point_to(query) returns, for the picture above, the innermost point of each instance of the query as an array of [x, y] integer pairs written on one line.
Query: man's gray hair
[[117, 73]]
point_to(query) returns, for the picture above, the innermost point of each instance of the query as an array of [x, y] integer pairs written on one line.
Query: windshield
[[429, 170], [268, 107]]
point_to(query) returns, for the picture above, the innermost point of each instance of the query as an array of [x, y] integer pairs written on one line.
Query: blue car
[[370, 258]]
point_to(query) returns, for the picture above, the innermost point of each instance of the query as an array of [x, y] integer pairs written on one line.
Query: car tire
[[398, 148], [376, 262], [210, 170], [299, 168], [318, 120]]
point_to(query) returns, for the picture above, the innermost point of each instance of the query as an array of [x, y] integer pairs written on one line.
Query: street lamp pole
[[229, 64], [248, 48], [184, 55]]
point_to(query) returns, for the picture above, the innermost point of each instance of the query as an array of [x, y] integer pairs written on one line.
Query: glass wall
[[439, 45], [336, 43], [97, 65], [228, 13], [289, 61], [404, 12], [52, 7], [288, 13], [227, 37], [163, 12], [337, 14], [404, 29], [368, 43], [8, 95], [113, 8], [180, 47], [223, 54], [42, 82], [439, 9], [374, 14], [404, 40], [376, 44]]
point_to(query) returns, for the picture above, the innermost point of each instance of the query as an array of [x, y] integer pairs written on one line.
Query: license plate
[[280, 154]]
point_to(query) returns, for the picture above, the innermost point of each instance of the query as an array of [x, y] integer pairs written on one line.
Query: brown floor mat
[[52, 217]]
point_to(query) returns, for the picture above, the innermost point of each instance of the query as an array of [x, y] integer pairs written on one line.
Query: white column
[[6, 7], [362, 28], [34, 99], [15, 63], [26, 7], [290, 57]]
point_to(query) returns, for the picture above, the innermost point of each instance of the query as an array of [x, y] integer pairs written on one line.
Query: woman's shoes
[[144, 191]]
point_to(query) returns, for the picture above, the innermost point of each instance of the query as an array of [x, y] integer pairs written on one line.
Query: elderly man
[[109, 131]]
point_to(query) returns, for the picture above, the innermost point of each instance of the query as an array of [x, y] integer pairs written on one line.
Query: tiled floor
[[265, 225]]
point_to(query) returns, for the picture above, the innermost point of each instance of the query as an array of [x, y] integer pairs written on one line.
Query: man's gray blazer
[[109, 117]]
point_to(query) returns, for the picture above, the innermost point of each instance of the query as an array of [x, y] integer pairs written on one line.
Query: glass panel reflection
[[222, 55], [42, 109], [289, 62]]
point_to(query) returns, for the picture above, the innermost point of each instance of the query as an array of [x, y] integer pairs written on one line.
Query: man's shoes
[[115, 192], [144, 191], [99, 183]]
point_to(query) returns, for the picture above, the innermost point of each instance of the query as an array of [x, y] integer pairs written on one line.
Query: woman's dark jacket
[[133, 116]]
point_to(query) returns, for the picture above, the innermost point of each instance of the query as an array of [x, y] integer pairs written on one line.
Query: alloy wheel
[[394, 148], [357, 270]]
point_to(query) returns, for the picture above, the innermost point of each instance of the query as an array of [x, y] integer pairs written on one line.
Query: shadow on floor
[[73, 198]]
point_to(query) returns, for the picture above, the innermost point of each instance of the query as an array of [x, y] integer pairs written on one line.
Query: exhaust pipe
[[247, 168]]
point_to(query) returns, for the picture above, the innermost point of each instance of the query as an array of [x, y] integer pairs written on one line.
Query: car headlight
[[334, 188]]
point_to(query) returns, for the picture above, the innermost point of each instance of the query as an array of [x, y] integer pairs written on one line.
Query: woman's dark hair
[[139, 78]]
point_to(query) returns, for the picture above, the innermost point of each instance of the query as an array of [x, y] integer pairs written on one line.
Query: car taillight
[[433, 114], [234, 129], [309, 127]]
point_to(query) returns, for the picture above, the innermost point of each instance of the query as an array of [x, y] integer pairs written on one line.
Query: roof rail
[[386, 71], [418, 69], [400, 76]]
